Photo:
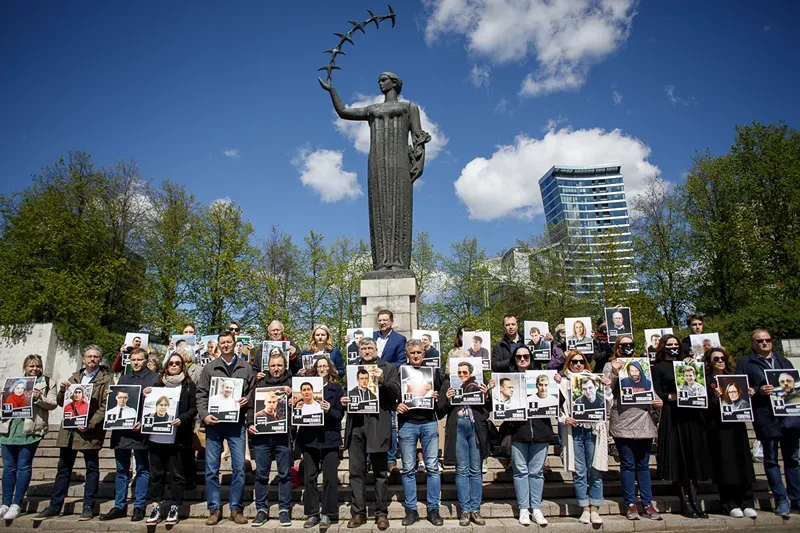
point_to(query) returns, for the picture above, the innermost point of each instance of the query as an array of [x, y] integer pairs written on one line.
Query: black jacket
[[436, 413], [127, 439], [330, 434], [532, 430], [766, 425], [480, 414], [267, 381], [378, 427], [186, 413], [502, 354], [603, 350]]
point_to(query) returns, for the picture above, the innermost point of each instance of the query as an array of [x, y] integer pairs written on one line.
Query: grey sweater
[[628, 421]]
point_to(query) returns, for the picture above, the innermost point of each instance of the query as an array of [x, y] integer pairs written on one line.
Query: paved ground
[[612, 524]]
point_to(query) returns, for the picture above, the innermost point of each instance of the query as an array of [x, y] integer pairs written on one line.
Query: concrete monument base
[[398, 295]]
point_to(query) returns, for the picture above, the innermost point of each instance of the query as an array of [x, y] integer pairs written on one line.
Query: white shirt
[[381, 341], [122, 412], [311, 408], [224, 404]]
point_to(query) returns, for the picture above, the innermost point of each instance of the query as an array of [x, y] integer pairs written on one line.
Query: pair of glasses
[[577, 362], [763, 341], [235, 330], [463, 373], [717, 359], [174, 363], [624, 345], [523, 356]]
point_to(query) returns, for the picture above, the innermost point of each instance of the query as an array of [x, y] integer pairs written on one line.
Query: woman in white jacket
[[585, 444], [20, 437]]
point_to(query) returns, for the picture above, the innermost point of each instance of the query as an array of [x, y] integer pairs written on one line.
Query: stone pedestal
[[398, 295]]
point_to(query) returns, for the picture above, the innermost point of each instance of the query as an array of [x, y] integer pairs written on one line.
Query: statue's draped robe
[[390, 183]]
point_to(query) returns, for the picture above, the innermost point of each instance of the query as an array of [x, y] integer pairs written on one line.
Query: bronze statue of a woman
[[393, 167]]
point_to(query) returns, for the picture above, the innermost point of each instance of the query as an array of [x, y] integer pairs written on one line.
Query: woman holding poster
[[730, 444], [633, 429], [320, 448], [166, 451], [20, 437], [682, 443], [585, 444], [530, 441]]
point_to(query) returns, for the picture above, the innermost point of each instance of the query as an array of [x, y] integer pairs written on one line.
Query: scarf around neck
[[173, 381]]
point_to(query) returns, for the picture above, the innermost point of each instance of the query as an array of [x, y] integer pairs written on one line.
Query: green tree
[[425, 263], [314, 283], [347, 263], [275, 280]]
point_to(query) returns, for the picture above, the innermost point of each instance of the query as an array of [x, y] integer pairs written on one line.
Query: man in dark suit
[[391, 348]]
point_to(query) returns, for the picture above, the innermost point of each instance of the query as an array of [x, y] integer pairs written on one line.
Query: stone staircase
[[499, 499]]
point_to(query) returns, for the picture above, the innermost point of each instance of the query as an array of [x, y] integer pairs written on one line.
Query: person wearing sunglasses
[[729, 444], [773, 432], [682, 444], [585, 444], [633, 429]]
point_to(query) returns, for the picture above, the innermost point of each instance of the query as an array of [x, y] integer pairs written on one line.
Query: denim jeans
[[267, 448], [123, 458], [527, 462], [66, 462], [17, 468], [469, 476], [587, 480], [634, 467], [215, 435], [391, 456], [788, 447], [428, 434]]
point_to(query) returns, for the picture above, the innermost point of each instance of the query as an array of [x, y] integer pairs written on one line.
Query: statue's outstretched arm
[[416, 152], [346, 113]]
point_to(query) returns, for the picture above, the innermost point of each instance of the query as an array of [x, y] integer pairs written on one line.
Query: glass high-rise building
[[587, 211]]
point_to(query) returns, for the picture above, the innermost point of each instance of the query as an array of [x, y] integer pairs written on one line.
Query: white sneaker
[[524, 517], [485, 467], [749, 512], [596, 518], [421, 466], [441, 468], [3, 510], [538, 516], [585, 518], [736, 513], [12, 512]]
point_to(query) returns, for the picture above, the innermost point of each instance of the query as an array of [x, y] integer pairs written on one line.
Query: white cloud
[[358, 130], [669, 90], [501, 107], [219, 202], [553, 123], [231, 152], [566, 37], [479, 75], [507, 183], [617, 97], [322, 171]]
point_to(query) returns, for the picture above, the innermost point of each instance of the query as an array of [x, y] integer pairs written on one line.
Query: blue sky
[[176, 86]]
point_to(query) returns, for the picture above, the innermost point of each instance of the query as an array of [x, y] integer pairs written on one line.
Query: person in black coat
[[127, 441], [772, 431], [276, 446], [371, 434], [320, 448], [502, 353], [729, 444], [466, 435], [166, 451], [682, 442]]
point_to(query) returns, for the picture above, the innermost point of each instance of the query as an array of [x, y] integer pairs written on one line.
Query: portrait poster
[[543, 393], [635, 382], [416, 385], [306, 395], [702, 343], [690, 381], [122, 407], [210, 343], [309, 359], [618, 322], [18, 397], [362, 389], [223, 398], [133, 341], [479, 344], [579, 334], [267, 347], [734, 404], [466, 378], [534, 334], [159, 410], [242, 346], [587, 394], [77, 399], [355, 335], [430, 341], [271, 411], [509, 396], [185, 345], [651, 339], [785, 398]]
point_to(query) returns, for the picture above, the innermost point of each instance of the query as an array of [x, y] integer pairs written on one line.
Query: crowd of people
[[693, 445]]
